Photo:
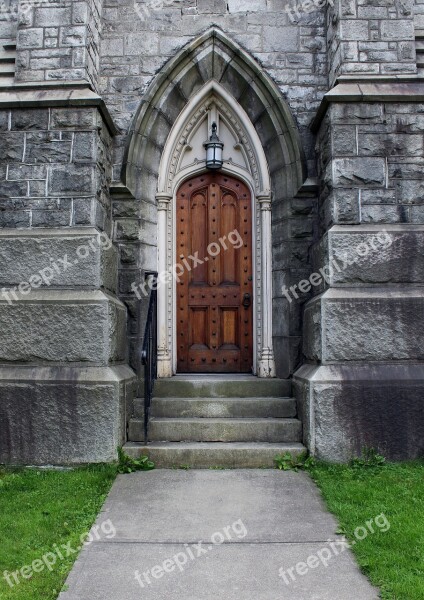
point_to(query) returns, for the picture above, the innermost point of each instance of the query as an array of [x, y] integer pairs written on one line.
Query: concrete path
[[216, 535]]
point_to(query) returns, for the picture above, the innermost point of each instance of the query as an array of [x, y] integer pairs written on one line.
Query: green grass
[[39, 509], [393, 561]]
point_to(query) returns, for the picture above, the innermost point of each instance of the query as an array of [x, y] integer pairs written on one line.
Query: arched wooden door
[[215, 289]]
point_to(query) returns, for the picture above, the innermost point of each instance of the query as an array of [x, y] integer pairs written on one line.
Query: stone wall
[[54, 169], [370, 37], [8, 21], [363, 327], [349, 69], [137, 43], [138, 40], [59, 41], [370, 160], [64, 346]]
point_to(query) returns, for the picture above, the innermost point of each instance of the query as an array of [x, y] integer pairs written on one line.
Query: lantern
[[214, 150]]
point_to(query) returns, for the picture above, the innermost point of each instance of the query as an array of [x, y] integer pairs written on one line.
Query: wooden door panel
[[214, 327], [229, 318], [199, 327]]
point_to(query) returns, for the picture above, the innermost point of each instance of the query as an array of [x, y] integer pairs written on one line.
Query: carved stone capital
[[264, 202], [163, 201]]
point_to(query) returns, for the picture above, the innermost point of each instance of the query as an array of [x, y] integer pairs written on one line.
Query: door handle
[[247, 300]]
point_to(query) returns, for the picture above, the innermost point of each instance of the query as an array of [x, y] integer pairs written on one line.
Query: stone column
[[164, 352], [266, 363], [363, 383]]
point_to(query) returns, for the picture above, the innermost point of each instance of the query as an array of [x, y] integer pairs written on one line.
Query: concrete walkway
[[218, 535]]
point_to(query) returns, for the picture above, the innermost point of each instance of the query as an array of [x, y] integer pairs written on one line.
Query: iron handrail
[[149, 353]]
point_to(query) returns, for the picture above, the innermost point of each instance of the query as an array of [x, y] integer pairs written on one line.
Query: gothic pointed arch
[[213, 78], [213, 57]]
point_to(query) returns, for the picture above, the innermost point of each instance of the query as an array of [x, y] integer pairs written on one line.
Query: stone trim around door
[[244, 158]]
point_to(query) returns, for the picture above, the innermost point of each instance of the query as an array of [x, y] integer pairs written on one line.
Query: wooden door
[[215, 290]]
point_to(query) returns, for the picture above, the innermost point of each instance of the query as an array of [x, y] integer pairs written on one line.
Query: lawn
[[39, 512], [394, 559], [43, 510]]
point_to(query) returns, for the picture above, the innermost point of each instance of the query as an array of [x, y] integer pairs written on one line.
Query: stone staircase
[[206, 421], [7, 64]]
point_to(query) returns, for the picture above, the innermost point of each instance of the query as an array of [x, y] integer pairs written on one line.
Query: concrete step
[[206, 386], [225, 430], [6, 82], [7, 70], [136, 430], [223, 407], [168, 455]]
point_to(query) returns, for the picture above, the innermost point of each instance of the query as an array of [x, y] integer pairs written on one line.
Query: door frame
[[254, 275], [258, 182]]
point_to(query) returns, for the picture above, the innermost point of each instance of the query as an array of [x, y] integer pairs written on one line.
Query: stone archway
[[213, 75], [184, 157]]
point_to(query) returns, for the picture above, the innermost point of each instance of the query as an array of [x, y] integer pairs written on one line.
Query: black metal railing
[[149, 352]]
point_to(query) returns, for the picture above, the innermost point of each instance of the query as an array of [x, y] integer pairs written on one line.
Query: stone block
[[365, 324], [10, 189], [357, 113], [127, 229], [383, 214], [51, 218], [212, 7], [30, 38], [344, 140], [11, 147], [53, 326], [410, 191], [4, 120], [395, 29], [344, 206], [73, 118], [112, 47], [79, 12], [63, 415], [71, 180], [44, 147], [359, 171], [139, 44], [280, 39], [399, 144], [354, 29], [24, 254], [235, 6], [372, 254], [15, 218], [84, 147], [53, 16], [416, 214], [72, 36], [346, 408], [18, 172], [31, 118]]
